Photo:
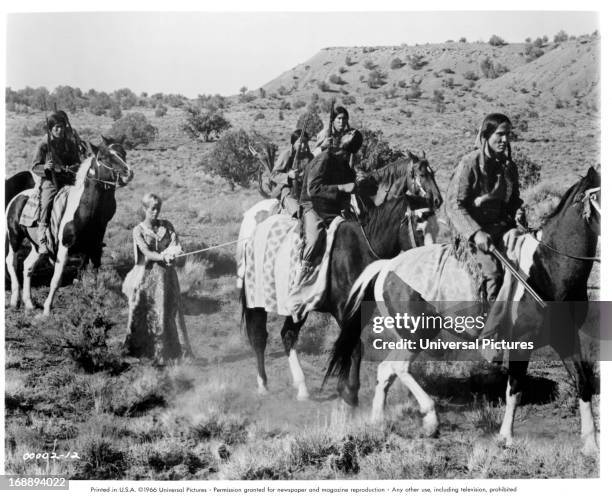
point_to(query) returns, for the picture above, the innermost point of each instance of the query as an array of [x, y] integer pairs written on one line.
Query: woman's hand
[[483, 241], [168, 258]]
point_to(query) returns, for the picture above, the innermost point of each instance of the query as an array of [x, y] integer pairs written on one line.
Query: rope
[[212, 247]]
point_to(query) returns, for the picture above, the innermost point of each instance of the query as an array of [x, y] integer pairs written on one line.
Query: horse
[[562, 256], [90, 205], [413, 176], [385, 231]]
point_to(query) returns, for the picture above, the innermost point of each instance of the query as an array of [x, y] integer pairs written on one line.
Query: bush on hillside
[[231, 159], [497, 41], [135, 128], [560, 37], [310, 121], [115, 112], [376, 152], [492, 69], [529, 172], [201, 124], [397, 63], [161, 110]]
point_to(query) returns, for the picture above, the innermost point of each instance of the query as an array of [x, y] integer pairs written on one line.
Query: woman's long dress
[[154, 294]]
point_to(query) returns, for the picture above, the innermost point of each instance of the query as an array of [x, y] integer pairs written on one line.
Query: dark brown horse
[[562, 260], [383, 233], [89, 207]]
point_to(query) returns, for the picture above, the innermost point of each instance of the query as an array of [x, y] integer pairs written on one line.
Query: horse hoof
[[262, 391], [505, 441], [590, 448], [430, 424], [303, 396]]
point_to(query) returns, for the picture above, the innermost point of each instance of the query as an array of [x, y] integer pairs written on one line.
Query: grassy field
[[69, 388]]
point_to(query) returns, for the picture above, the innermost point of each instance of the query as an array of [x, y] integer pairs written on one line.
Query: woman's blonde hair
[[148, 200]]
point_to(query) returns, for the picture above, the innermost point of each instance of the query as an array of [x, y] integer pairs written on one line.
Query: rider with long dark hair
[[54, 156]]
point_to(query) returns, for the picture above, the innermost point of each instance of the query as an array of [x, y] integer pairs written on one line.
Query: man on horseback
[[483, 201], [330, 139], [326, 194], [288, 171], [52, 162]]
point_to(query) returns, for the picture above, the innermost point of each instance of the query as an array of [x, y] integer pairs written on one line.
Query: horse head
[[588, 197], [423, 181], [110, 166]]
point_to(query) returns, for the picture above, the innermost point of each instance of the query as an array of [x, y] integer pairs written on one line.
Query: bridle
[[115, 174], [589, 203]]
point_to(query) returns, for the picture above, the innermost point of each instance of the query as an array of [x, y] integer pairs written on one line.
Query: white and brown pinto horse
[[90, 205], [558, 267]]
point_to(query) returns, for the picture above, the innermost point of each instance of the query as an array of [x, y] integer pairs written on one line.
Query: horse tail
[[359, 288], [14, 185], [350, 332]]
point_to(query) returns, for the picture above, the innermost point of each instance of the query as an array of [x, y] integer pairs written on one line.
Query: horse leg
[[60, 264], [28, 269], [349, 390], [256, 319], [289, 335], [517, 373], [11, 265], [581, 373], [385, 376]]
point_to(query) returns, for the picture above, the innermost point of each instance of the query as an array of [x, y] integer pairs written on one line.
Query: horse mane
[[391, 172], [570, 193]]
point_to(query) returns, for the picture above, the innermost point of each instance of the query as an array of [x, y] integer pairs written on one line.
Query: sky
[[218, 52]]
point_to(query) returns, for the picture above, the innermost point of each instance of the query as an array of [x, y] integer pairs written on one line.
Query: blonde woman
[[153, 290]]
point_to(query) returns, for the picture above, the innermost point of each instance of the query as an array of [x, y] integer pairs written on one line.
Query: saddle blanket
[[30, 213], [272, 267]]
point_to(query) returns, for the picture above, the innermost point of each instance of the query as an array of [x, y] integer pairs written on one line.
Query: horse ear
[[94, 148], [122, 139], [423, 157], [592, 173], [107, 141]]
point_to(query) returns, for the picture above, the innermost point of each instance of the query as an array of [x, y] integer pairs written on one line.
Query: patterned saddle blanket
[[272, 267], [31, 211]]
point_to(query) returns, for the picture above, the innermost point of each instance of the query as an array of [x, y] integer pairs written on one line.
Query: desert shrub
[[559, 104], [401, 83], [349, 100], [376, 152], [390, 93], [528, 170], [414, 91], [136, 129], [348, 61], [471, 76], [342, 69], [231, 159], [439, 100], [101, 460], [560, 37], [397, 63], [335, 79], [38, 129], [532, 52], [298, 104], [259, 116], [538, 42], [115, 112], [285, 105], [200, 124], [262, 93], [323, 86], [463, 39], [282, 90], [161, 110], [497, 41], [310, 120], [369, 65], [281, 116], [99, 103], [370, 100], [376, 78], [125, 97], [448, 82], [416, 62], [491, 69]]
